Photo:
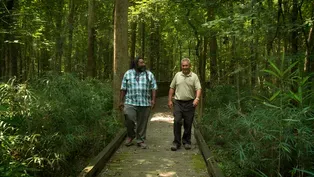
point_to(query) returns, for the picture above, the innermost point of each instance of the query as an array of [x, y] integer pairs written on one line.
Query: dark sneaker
[[128, 141], [142, 145], [174, 147], [187, 146]]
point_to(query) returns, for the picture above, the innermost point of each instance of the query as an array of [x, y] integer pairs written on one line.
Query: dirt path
[[157, 160]]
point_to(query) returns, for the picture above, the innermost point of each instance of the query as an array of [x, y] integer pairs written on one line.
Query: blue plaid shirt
[[138, 87]]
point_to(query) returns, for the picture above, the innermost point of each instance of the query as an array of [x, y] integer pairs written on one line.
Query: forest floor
[[157, 160]]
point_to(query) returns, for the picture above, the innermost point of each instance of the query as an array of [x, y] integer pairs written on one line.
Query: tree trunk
[[133, 40], [309, 41], [91, 62], [213, 48], [152, 46], [294, 33], [120, 50], [157, 50], [294, 39], [9, 46], [107, 61], [142, 39], [2, 61], [68, 62], [59, 37]]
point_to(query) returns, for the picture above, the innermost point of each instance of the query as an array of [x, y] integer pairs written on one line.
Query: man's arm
[[122, 96], [170, 95], [198, 96], [198, 93], [153, 98], [154, 89], [172, 91]]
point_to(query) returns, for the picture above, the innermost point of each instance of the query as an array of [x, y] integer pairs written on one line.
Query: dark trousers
[[136, 119], [183, 114]]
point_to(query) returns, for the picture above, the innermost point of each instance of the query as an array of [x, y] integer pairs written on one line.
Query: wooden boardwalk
[[157, 160]]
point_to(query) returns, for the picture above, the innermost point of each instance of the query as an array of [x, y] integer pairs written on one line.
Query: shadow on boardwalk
[[158, 159]]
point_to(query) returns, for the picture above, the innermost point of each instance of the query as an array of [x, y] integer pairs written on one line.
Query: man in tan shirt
[[186, 89]]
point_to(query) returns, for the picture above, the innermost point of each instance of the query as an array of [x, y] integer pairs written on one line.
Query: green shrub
[[57, 122], [269, 134]]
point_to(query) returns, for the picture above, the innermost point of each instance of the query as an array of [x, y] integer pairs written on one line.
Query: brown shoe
[[142, 145], [174, 147], [128, 141], [187, 146]]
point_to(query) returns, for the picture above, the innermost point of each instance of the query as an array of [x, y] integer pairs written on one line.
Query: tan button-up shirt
[[185, 86]]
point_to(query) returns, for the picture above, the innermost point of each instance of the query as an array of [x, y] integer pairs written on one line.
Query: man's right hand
[[121, 106], [170, 104]]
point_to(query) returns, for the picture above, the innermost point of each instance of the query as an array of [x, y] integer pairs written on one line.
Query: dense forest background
[[255, 59]]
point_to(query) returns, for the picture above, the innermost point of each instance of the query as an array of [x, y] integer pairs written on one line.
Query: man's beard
[[141, 68], [186, 71]]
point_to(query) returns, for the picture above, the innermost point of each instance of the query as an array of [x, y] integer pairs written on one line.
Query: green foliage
[[270, 136], [258, 139], [51, 125]]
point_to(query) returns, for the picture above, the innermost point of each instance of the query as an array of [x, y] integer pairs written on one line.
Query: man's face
[[141, 65], [185, 65]]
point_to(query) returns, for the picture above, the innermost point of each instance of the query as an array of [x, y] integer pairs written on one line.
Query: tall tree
[[91, 62], [10, 47], [68, 60], [213, 46], [120, 63], [59, 36], [133, 40]]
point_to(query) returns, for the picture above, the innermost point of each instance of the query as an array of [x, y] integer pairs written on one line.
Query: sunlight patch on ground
[[167, 174], [162, 119]]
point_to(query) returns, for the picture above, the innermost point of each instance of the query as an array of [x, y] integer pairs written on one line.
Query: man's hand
[[121, 106], [195, 102], [152, 103], [170, 104]]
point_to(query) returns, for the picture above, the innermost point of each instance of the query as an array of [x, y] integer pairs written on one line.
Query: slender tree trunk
[[120, 49], [157, 50], [14, 59], [254, 53], [213, 48], [294, 33], [59, 37], [294, 39], [7, 62], [142, 39], [2, 57], [107, 61], [70, 36], [309, 41], [133, 40], [91, 62], [154, 48], [9, 47]]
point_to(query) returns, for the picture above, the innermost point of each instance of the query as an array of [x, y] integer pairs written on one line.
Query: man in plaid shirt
[[137, 97]]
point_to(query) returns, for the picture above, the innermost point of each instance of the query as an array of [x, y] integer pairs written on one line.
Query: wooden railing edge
[[212, 166], [97, 164]]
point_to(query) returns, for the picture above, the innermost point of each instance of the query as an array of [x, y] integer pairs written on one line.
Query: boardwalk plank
[[158, 160]]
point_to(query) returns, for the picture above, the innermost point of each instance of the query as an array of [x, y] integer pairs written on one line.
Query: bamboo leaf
[[275, 95], [305, 171], [290, 67], [295, 96], [271, 85], [275, 67], [291, 120], [271, 73], [270, 105], [285, 147], [304, 80]]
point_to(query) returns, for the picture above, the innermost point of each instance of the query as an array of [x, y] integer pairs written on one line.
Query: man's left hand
[[195, 102], [152, 103]]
